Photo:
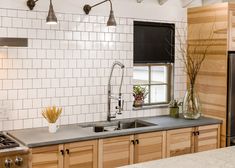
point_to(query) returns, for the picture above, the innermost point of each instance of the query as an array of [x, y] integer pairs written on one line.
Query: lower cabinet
[[149, 146], [207, 138], [81, 155], [195, 139], [125, 150], [180, 142], [120, 151], [46, 157], [115, 152], [72, 155]]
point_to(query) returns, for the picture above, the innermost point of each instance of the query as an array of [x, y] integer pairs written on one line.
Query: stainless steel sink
[[118, 125]]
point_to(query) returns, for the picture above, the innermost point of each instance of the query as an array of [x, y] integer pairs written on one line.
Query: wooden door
[[208, 138], [180, 141], [81, 154], [46, 157], [150, 146], [115, 152]]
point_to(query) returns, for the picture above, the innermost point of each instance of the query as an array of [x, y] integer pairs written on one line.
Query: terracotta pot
[[138, 103]]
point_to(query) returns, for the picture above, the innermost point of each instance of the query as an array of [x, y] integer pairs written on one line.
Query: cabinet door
[[81, 155], [46, 157], [180, 141], [208, 138], [115, 152], [149, 146]]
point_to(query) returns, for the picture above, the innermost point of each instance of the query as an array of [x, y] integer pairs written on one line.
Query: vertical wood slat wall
[[212, 79]]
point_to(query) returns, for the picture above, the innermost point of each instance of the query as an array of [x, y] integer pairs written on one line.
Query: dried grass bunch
[[193, 53], [51, 114]]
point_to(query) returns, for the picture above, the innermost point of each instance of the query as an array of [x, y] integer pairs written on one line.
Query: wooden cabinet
[[180, 141], [189, 140], [72, 155], [115, 152], [218, 21], [81, 155], [208, 138], [120, 151], [46, 157], [149, 146], [125, 150]]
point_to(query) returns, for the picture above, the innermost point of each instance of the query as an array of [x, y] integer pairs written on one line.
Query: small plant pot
[[52, 127], [138, 103], [174, 112]]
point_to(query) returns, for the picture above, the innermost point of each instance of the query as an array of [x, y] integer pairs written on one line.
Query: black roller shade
[[154, 42]]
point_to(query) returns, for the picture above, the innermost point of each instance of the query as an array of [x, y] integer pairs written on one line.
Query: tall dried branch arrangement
[[193, 53]]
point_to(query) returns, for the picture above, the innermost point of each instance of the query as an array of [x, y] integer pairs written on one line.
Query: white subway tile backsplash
[[67, 65]]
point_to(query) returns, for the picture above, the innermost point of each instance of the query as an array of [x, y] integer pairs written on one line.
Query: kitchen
[[87, 65]]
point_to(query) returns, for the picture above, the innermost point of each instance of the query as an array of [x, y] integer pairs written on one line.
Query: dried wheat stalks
[[51, 114]]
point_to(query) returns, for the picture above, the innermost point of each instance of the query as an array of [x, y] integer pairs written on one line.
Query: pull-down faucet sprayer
[[119, 98]]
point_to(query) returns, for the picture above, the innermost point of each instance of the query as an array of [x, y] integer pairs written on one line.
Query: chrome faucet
[[119, 107]]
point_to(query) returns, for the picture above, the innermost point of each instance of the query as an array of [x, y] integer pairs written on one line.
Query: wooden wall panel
[[212, 79]]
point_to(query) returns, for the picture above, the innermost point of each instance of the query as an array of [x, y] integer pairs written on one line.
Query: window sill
[[150, 107]]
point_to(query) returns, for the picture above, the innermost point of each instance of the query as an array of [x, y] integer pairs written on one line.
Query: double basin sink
[[118, 125]]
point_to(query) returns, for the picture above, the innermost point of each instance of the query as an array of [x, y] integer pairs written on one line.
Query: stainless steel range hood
[[13, 42]]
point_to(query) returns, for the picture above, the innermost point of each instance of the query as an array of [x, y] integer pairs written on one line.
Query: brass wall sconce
[[51, 18], [111, 21]]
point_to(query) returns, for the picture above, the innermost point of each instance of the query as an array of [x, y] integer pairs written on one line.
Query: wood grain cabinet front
[[46, 157], [125, 150], [149, 146], [208, 138], [180, 142], [116, 152], [72, 155], [195, 139]]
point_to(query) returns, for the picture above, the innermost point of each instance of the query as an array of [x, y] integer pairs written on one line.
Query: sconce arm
[[87, 8]]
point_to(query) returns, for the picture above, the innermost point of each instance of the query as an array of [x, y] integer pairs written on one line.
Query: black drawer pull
[[62, 152], [137, 141], [133, 142], [67, 150]]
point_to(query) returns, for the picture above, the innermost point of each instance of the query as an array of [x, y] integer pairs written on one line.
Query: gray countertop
[[219, 158], [37, 137]]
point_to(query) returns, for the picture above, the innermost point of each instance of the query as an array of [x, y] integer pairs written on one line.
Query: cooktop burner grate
[[6, 142]]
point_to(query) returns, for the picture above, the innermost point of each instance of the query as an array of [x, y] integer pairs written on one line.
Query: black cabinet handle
[[67, 150], [62, 152], [133, 142], [198, 133], [137, 141]]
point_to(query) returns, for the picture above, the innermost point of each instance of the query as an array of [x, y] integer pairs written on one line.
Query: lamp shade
[[111, 21], [51, 18]]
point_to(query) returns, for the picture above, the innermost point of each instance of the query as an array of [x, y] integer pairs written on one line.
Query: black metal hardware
[[198, 133], [62, 152], [31, 4], [137, 141], [133, 142], [67, 150], [111, 22]]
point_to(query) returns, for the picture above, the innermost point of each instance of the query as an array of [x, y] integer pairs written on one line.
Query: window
[[156, 78]]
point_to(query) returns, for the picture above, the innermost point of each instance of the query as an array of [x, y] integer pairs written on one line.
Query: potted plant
[[51, 114], [174, 108], [139, 94]]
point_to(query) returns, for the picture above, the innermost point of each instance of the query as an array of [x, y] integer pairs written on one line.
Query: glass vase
[[191, 104]]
